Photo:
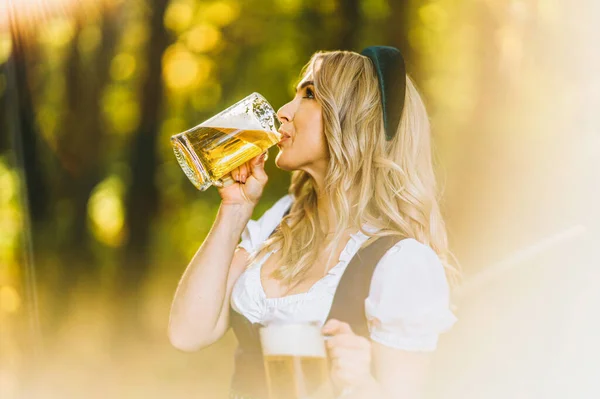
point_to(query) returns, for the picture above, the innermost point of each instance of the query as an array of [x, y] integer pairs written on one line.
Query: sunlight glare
[[24, 16]]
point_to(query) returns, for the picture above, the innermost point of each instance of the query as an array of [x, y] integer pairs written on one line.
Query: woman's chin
[[281, 163]]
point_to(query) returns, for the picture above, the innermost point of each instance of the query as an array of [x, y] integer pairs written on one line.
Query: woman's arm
[[200, 309], [399, 374]]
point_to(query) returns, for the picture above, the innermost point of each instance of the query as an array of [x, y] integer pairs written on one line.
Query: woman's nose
[[285, 113]]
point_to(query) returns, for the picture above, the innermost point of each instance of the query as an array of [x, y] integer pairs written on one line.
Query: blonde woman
[[356, 138]]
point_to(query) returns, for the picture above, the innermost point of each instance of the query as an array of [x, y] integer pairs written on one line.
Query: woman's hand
[[250, 180], [350, 356]]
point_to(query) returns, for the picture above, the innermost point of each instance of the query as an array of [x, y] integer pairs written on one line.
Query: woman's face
[[303, 145]]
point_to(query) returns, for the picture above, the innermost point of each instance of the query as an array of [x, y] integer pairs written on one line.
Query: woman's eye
[[309, 93]]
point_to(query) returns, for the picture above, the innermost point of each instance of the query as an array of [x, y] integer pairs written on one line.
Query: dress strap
[[349, 299]]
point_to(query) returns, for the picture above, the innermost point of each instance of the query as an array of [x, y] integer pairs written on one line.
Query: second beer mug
[[208, 152], [295, 361]]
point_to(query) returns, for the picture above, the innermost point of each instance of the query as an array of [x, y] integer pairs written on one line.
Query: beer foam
[[250, 113], [241, 121], [292, 340]]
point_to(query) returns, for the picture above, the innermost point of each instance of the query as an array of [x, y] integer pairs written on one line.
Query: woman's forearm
[[202, 289]]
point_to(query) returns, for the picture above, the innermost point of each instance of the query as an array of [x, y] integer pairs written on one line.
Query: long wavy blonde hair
[[388, 184]]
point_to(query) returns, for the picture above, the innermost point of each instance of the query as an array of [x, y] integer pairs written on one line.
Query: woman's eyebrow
[[304, 84]]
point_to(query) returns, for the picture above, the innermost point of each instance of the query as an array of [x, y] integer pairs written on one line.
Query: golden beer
[[296, 362], [297, 377], [207, 154]]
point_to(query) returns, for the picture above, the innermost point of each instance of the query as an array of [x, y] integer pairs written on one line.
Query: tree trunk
[[80, 152], [35, 185], [398, 26], [350, 23], [142, 197]]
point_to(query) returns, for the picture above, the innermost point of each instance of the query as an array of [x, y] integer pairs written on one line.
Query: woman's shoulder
[[410, 250], [412, 266]]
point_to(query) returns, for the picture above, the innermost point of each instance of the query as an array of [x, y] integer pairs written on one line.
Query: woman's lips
[[284, 138]]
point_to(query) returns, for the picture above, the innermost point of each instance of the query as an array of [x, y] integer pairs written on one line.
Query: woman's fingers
[[253, 167], [348, 341], [257, 167], [345, 353], [348, 367], [341, 354], [350, 354], [243, 173], [334, 326]]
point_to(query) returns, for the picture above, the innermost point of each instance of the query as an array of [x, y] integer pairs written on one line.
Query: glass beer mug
[[209, 152], [296, 363]]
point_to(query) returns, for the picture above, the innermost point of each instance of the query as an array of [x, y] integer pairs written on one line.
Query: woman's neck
[[327, 219]]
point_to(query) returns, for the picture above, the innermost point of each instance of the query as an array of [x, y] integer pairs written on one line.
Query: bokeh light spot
[[178, 16], [135, 35], [10, 215], [122, 66], [289, 6], [203, 38], [121, 109], [107, 212], [57, 33], [182, 70], [205, 68], [7, 184], [221, 13], [5, 47], [126, 118]]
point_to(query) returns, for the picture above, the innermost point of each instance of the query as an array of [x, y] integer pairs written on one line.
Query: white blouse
[[408, 303]]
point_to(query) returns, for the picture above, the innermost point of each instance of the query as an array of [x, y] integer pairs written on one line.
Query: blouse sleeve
[[409, 300], [257, 231]]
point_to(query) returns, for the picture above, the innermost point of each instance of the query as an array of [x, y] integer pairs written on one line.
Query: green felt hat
[[391, 74]]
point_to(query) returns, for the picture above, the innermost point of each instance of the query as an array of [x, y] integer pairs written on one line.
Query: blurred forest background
[[98, 222]]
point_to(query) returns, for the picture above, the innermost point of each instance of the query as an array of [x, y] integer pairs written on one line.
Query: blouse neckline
[[350, 249]]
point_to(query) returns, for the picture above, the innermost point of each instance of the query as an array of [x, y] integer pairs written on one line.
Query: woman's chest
[[275, 287], [309, 301], [249, 299]]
